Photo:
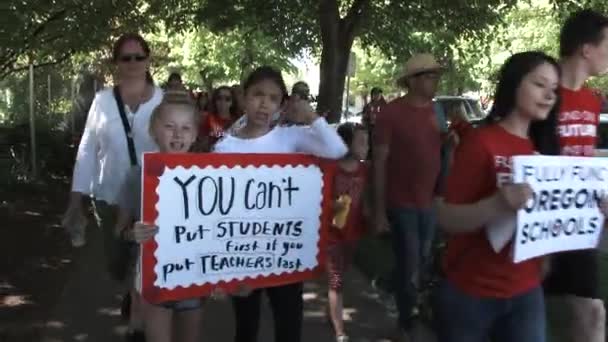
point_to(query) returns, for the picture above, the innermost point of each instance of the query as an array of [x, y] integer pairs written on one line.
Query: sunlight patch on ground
[[120, 330], [12, 301], [308, 296], [347, 314], [55, 324], [81, 337], [314, 313], [109, 312], [5, 286]]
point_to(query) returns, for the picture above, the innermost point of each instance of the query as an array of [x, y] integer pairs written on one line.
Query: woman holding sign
[[265, 92], [174, 127], [485, 294]]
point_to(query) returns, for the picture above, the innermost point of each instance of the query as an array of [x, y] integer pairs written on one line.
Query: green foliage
[[531, 25], [213, 42], [291, 24], [374, 69], [328, 27], [16, 99], [49, 32], [396, 27], [210, 59]]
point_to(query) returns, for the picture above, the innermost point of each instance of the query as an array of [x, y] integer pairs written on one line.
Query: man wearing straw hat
[[406, 170]]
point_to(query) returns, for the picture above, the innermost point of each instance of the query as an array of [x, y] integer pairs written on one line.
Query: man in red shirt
[[574, 276], [406, 169], [371, 109]]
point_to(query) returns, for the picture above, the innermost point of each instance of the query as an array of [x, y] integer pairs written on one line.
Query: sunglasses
[[132, 58], [428, 74], [224, 98]]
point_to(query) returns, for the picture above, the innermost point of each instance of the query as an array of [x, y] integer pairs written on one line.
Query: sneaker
[[342, 338], [76, 226]]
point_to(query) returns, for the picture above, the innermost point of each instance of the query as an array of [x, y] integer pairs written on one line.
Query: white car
[[471, 106], [601, 150]]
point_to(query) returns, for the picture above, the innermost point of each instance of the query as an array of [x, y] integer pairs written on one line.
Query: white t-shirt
[[318, 139], [103, 161]]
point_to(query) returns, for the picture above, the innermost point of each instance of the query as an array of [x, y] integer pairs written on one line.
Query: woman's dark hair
[[347, 130], [212, 105], [266, 73], [543, 133], [125, 38]]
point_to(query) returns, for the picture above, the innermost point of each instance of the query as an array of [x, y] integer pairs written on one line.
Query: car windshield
[[472, 109], [477, 113], [602, 136]]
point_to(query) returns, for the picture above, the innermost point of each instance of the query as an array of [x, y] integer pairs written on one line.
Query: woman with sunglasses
[[221, 115], [112, 142]]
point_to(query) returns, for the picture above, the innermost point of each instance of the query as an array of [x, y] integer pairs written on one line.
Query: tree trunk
[[334, 62], [337, 36]]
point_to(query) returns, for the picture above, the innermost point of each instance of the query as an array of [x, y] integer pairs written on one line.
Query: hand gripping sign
[[231, 219]]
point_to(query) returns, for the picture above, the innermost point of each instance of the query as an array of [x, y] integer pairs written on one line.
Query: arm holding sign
[[468, 206], [129, 202], [466, 218], [143, 232]]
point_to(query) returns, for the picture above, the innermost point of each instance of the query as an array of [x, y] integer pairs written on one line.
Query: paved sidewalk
[[88, 310]]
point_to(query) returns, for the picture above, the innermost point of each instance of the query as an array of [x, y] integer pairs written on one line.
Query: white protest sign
[[564, 212], [230, 223]]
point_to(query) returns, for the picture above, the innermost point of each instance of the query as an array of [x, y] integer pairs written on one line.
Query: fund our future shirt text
[[577, 122]]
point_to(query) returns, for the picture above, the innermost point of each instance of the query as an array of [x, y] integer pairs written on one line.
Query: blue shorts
[[183, 305]]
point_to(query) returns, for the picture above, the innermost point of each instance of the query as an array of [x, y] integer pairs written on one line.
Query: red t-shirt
[[414, 159], [214, 127], [461, 127], [482, 162], [579, 116], [370, 111], [351, 183]]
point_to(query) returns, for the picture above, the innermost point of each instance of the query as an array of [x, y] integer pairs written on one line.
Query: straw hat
[[419, 63]]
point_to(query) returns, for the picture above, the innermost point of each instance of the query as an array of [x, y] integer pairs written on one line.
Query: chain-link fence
[[42, 115]]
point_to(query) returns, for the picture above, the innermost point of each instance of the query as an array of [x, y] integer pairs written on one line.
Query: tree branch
[[10, 58], [8, 71], [356, 12], [49, 20]]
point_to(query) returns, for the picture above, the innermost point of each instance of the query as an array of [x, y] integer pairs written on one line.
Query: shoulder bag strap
[[126, 126]]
